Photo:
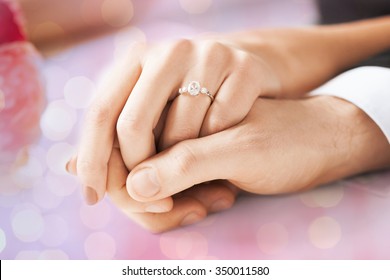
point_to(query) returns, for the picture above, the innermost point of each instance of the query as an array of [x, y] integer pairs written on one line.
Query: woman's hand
[[136, 98]]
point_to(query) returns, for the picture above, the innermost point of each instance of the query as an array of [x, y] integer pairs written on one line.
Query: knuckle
[[181, 46], [129, 124], [169, 55], [184, 158], [216, 52], [245, 63], [99, 114], [211, 46]]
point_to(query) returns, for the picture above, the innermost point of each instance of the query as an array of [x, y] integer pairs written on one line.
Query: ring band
[[195, 89]]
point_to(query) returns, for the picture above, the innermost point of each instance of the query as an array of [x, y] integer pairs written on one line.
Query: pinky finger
[[186, 211]]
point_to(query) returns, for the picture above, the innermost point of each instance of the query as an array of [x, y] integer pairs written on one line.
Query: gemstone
[[204, 90], [194, 88]]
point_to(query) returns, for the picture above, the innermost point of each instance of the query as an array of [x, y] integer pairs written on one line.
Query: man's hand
[[281, 146]]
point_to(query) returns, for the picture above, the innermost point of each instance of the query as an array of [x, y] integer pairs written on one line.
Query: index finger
[[99, 128]]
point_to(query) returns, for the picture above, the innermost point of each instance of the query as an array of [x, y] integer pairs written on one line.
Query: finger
[[98, 134], [116, 179], [183, 165], [186, 211], [160, 78], [188, 110], [215, 196], [158, 130], [71, 166], [116, 188], [184, 119], [238, 89], [190, 206]]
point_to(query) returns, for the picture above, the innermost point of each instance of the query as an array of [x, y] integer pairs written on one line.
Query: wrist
[[359, 144], [305, 58]]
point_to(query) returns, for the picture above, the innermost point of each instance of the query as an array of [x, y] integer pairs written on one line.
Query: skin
[[238, 68], [53, 25], [328, 139]]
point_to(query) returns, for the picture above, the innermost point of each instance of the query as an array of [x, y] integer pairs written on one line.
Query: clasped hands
[[168, 160]]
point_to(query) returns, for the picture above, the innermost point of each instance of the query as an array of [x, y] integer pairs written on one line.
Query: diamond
[[204, 90], [182, 90], [194, 88]]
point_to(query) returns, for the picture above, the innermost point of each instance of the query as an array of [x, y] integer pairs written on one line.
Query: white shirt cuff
[[368, 88]]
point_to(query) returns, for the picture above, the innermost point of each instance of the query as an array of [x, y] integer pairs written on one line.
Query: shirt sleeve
[[366, 87]]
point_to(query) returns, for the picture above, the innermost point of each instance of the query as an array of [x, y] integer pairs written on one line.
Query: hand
[[281, 146], [134, 101], [185, 208]]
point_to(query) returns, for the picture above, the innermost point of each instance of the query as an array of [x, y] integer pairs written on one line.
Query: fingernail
[[155, 208], [190, 219], [219, 205], [71, 166], [90, 195], [144, 183]]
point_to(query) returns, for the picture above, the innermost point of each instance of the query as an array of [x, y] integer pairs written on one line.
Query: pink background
[[43, 215]]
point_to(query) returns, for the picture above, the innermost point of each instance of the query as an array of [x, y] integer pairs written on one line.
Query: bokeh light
[[28, 225], [325, 196], [78, 92], [324, 232], [61, 185], [100, 246], [56, 231], [28, 255], [58, 120], [124, 40], [44, 198]]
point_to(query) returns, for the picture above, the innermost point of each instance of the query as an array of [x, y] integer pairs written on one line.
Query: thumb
[[185, 164]]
